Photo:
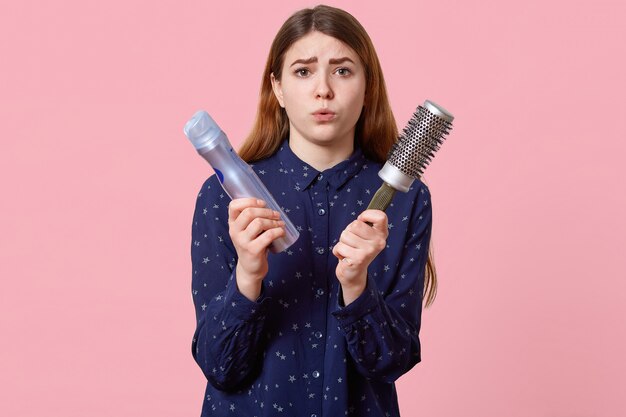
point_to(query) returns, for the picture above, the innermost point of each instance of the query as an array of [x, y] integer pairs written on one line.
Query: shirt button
[[321, 212], [320, 251], [313, 415], [319, 177], [318, 335], [320, 291], [316, 374]]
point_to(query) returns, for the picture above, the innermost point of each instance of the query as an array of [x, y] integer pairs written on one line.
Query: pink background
[[99, 183]]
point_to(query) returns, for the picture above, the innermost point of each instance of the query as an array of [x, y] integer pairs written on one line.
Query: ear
[[278, 90]]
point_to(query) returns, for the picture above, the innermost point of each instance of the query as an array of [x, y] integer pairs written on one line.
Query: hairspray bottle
[[237, 177]]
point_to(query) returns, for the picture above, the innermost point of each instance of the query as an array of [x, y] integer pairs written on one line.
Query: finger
[[250, 213], [349, 238], [238, 205], [366, 232], [377, 218], [264, 240], [343, 252], [260, 225], [362, 249]]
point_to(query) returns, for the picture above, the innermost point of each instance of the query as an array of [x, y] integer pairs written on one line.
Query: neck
[[323, 155]]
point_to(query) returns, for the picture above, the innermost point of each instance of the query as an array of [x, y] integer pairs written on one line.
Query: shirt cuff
[[363, 305], [240, 307]]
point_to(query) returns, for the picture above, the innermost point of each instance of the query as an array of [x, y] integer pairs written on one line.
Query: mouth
[[324, 115]]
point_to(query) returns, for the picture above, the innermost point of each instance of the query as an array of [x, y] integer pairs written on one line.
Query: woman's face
[[322, 89]]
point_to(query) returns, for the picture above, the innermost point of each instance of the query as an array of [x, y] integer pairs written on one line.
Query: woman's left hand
[[358, 245]]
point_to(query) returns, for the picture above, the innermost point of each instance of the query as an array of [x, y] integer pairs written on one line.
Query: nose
[[324, 89]]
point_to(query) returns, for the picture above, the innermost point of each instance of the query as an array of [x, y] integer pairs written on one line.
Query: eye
[[302, 72], [344, 71]]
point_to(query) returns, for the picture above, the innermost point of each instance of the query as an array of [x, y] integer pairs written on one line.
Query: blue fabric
[[297, 350]]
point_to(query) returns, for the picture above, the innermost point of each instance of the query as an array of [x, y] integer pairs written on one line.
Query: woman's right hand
[[252, 228]]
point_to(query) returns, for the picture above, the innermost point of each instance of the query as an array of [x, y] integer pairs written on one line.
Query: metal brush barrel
[[416, 146], [408, 157]]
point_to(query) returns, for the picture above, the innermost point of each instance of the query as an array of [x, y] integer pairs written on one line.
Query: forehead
[[320, 45]]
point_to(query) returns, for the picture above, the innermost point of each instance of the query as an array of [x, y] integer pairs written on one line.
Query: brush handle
[[382, 198]]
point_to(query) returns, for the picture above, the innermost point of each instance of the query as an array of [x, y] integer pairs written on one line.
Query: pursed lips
[[324, 115], [324, 111]]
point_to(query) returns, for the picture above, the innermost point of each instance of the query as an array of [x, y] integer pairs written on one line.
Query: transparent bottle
[[238, 178]]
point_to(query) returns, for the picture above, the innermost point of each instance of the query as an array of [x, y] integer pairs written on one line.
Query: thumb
[[375, 218]]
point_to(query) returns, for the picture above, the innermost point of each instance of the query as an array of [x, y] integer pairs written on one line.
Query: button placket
[[320, 243]]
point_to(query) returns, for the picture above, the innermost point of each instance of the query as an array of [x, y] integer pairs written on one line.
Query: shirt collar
[[302, 175]]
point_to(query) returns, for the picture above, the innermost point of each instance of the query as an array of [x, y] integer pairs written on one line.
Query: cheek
[[357, 98], [356, 103], [293, 109], [292, 98]]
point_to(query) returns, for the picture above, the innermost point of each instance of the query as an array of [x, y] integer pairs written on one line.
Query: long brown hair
[[376, 129]]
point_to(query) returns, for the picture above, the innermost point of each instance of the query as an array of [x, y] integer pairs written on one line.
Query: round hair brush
[[409, 156]]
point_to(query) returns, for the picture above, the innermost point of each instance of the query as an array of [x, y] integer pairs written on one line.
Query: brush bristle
[[418, 142]]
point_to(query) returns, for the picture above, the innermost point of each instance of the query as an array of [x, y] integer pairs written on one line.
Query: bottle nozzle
[[201, 129]]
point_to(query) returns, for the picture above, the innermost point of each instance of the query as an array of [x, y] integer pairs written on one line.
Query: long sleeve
[[382, 327], [227, 340], [296, 350]]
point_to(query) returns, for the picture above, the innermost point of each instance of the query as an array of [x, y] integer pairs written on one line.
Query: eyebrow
[[314, 59]]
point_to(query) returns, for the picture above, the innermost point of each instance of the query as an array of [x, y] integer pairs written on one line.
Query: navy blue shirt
[[297, 350]]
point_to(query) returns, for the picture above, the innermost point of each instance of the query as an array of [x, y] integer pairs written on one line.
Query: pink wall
[[99, 185]]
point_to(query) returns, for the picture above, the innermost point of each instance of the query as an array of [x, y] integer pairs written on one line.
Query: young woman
[[325, 327]]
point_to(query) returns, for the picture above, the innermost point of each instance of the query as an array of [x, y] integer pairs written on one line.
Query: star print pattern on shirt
[[297, 350]]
